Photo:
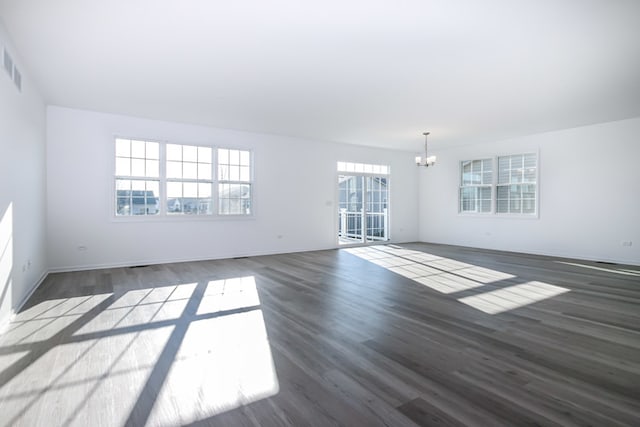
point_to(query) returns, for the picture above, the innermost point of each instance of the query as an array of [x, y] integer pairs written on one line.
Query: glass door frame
[[364, 239]]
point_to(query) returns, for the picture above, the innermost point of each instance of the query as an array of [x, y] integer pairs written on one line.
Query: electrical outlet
[[627, 243]]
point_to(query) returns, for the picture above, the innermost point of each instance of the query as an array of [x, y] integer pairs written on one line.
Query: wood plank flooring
[[416, 334]]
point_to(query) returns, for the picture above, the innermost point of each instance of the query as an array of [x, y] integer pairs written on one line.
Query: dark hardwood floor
[[407, 335]]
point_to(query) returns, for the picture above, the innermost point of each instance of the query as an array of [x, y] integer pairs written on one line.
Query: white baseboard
[[66, 269]]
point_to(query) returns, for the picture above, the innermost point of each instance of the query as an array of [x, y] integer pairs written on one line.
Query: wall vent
[[12, 70], [8, 63]]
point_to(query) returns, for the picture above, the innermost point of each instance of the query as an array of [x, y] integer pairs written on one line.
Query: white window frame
[[495, 164], [198, 182], [477, 187], [535, 183], [364, 170], [163, 214], [124, 170], [242, 179]]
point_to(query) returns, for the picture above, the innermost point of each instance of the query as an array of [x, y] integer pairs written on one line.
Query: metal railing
[[350, 225]]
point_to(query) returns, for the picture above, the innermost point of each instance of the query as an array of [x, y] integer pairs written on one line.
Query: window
[[363, 168], [516, 190], [137, 177], [157, 178], [517, 184], [234, 182], [189, 180], [476, 179]]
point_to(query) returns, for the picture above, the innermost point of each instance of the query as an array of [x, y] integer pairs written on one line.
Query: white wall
[[22, 187], [589, 196], [294, 195]]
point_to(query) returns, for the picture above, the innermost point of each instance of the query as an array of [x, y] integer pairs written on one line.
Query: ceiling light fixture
[[428, 160]]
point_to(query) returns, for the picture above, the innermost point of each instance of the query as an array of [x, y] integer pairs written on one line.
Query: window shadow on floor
[[144, 347]]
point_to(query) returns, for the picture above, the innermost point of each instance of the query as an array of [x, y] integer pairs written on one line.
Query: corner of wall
[[23, 260]]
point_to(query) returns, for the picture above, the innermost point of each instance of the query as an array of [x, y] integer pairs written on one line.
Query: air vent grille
[[17, 78], [11, 69], [8, 63]]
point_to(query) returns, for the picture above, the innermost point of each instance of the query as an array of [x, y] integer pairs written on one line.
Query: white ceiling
[[366, 71]]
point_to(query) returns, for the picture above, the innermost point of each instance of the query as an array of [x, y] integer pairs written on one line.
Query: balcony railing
[[350, 225]]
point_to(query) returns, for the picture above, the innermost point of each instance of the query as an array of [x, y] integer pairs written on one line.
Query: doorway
[[363, 207]]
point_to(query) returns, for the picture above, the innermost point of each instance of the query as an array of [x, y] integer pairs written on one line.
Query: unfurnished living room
[[317, 213]]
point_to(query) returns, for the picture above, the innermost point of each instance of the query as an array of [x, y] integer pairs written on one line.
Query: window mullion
[[215, 182], [163, 180]]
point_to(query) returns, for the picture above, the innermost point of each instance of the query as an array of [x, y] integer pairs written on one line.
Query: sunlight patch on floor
[[48, 318], [448, 283], [140, 306], [229, 294], [223, 363], [450, 276], [222, 356], [8, 359], [117, 367], [505, 299], [225, 359], [441, 274]]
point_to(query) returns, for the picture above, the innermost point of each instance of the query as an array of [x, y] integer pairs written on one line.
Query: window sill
[[182, 218], [476, 215], [518, 216], [499, 215]]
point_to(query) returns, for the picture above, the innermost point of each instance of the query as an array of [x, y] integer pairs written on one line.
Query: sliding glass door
[[363, 214], [350, 209], [376, 211]]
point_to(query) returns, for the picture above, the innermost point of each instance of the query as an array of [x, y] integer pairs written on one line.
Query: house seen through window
[[513, 191], [164, 179], [475, 185], [189, 180], [234, 182], [137, 177], [517, 184]]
